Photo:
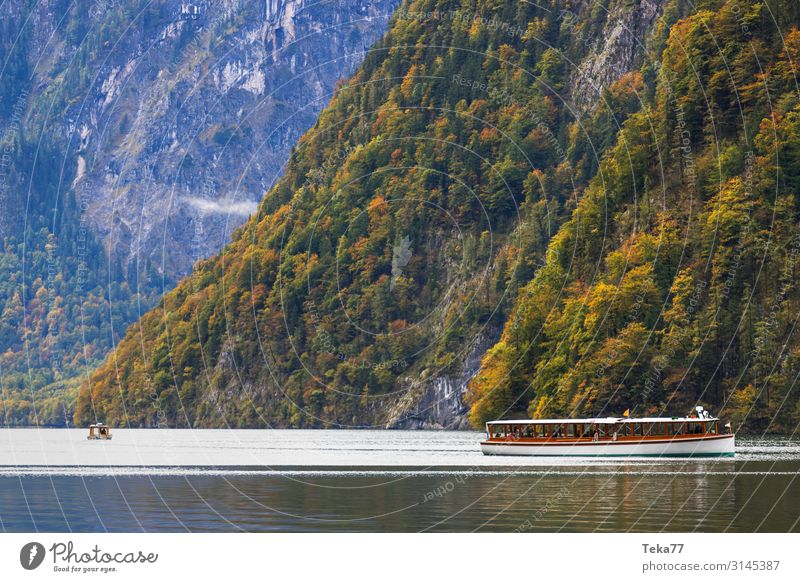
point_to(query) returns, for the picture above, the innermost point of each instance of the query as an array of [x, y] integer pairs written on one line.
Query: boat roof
[[604, 420]]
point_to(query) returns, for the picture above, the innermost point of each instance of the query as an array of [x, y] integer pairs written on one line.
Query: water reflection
[[740, 495]]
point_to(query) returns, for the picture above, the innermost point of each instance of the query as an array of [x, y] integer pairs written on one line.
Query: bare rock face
[[199, 145], [438, 402], [618, 49], [187, 113]]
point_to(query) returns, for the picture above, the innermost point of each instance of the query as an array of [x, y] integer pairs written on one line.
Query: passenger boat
[[99, 431], [695, 435]]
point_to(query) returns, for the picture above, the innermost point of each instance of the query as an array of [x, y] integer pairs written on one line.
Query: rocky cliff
[[188, 115]]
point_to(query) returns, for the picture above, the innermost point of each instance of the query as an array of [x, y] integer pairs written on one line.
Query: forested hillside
[[602, 195], [386, 258], [674, 281]]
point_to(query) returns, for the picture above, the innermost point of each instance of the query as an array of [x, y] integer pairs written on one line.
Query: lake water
[[260, 480]]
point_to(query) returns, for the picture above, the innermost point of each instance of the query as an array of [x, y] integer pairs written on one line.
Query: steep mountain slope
[[382, 264], [136, 137], [674, 282]]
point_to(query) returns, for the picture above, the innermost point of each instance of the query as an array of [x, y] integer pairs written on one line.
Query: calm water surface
[[231, 480]]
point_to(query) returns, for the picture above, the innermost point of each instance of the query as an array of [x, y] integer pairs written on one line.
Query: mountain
[[674, 281], [137, 136], [375, 274]]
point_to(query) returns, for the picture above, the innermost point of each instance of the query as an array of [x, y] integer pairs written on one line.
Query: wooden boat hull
[[706, 446]]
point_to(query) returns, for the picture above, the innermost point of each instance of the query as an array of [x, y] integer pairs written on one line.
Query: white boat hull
[[721, 445]]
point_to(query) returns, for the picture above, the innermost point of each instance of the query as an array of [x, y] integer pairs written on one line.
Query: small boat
[[99, 431], [690, 436]]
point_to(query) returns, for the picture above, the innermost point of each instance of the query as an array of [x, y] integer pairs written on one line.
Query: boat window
[[713, 427]]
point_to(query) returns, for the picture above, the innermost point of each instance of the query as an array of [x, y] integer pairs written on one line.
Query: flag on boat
[[627, 413]]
